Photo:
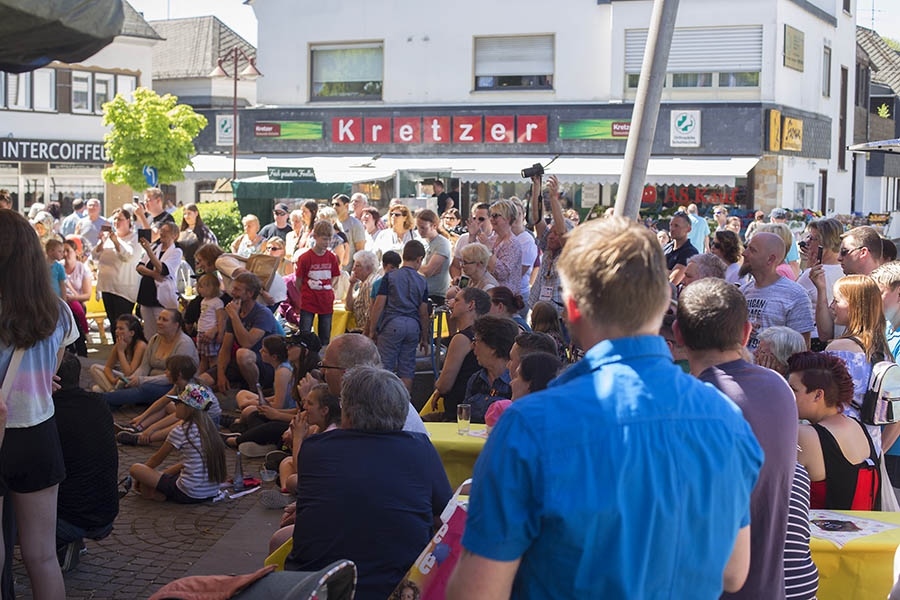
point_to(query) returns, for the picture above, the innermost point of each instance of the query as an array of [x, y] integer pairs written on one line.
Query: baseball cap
[[307, 339], [282, 207], [196, 396], [778, 213]]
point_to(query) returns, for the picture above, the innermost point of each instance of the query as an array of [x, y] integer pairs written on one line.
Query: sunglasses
[[481, 218], [496, 216], [280, 213], [720, 212], [336, 204], [846, 251], [271, 248], [397, 215], [325, 367]]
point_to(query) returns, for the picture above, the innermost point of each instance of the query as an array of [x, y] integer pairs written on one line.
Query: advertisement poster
[[595, 129], [288, 130]]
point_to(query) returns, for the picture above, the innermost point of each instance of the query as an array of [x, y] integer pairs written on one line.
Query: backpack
[[881, 402]]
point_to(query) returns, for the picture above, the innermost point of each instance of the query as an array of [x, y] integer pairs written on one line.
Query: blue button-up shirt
[[626, 478]]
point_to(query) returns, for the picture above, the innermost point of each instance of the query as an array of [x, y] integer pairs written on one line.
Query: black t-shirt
[[163, 217], [147, 285], [442, 202], [88, 497], [458, 392], [679, 256], [370, 497], [272, 229]]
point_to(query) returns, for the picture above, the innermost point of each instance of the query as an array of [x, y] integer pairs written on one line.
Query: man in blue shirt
[[71, 222], [699, 234], [626, 478]]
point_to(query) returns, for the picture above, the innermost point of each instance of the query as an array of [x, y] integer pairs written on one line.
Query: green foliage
[[884, 111], [894, 44], [150, 130], [223, 218]]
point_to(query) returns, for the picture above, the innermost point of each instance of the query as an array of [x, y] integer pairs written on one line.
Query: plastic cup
[[463, 418]]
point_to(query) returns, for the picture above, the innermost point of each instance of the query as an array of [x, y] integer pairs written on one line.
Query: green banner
[[594, 129], [288, 130]]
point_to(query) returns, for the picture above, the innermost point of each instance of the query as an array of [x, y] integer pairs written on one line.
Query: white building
[[769, 79], [51, 131]]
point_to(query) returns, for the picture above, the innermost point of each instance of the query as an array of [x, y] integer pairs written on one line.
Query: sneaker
[[254, 450], [226, 420], [274, 458], [274, 499], [127, 438], [68, 555], [128, 427], [125, 486]]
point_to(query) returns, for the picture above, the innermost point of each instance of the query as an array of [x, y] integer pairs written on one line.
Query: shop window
[[125, 85], [691, 80], [739, 79], [45, 89], [2, 89], [347, 72], [104, 90], [82, 95], [514, 62], [826, 72], [18, 90], [805, 195]]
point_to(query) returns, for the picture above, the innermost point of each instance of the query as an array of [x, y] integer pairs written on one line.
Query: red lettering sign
[[267, 130], [499, 130], [649, 195], [620, 128], [437, 130], [407, 130], [346, 130], [532, 129], [378, 131], [467, 130]]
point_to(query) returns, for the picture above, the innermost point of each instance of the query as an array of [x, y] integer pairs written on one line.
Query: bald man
[[771, 298]]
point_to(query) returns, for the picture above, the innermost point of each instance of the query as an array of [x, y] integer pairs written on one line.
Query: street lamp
[[250, 72]]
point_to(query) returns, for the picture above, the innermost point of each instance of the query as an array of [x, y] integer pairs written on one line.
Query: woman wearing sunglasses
[[401, 230]]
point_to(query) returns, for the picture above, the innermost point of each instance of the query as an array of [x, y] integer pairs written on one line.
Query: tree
[[894, 44], [149, 131]]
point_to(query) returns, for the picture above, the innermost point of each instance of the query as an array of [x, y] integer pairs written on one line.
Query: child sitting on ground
[[211, 324], [160, 418], [197, 477]]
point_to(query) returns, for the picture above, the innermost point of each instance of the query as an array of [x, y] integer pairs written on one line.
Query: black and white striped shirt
[[801, 577]]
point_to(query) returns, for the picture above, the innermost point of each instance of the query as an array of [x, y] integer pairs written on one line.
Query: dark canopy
[[34, 33]]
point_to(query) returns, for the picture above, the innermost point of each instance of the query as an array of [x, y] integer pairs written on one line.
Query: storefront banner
[[594, 129], [456, 129], [792, 134], [291, 173], [774, 130], [52, 150], [288, 130]]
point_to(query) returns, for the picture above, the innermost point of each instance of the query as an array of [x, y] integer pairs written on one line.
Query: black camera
[[533, 171], [802, 244]]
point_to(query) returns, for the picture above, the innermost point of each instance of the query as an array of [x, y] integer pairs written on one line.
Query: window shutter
[[702, 49], [517, 55], [64, 90]]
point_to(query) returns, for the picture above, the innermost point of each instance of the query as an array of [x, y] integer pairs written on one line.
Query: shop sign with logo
[[595, 129], [774, 130], [289, 130], [52, 150], [456, 129], [292, 173], [684, 195], [684, 129], [792, 134], [793, 48], [225, 130]]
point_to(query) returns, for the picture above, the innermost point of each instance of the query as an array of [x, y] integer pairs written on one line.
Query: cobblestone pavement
[[152, 543]]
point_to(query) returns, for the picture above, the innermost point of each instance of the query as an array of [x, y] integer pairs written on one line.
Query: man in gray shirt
[[353, 227], [90, 226], [712, 324]]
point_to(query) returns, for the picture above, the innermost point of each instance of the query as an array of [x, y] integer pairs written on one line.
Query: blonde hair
[[408, 222], [507, 208], [779, 229], [866, 315], [475, 252], [249, 218], [887, 275], [615, 271]]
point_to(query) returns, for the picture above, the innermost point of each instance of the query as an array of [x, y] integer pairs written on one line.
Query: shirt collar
[[504, 377], [616, 351]]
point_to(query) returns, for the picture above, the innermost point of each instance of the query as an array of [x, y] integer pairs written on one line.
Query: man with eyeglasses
[[353, 227], [280, 227], [479, 222], [720, 213]]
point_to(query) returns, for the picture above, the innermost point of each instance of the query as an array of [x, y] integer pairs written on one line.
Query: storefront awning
[[263, 187], [891, 146], [328, 169]]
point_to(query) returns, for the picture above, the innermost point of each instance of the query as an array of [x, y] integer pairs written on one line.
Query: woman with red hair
[[835, 449]]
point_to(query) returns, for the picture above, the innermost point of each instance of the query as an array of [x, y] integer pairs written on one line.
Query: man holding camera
[[153, 204], [89, 227]]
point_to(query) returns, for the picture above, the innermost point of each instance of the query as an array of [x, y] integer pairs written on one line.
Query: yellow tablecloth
[[458, 452], [341, 321], [863, 568]]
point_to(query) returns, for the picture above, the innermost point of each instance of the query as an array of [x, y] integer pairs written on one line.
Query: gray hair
[[366, 259], [709, 265], [374, 399], [785, 342], [355, 350], [359, 196]]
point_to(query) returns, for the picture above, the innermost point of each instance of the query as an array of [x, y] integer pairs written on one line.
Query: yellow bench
[[95, 311]]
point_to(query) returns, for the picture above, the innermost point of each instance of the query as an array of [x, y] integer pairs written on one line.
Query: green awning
[[314, 190]]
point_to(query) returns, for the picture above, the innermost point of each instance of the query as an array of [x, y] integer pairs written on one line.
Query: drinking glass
[[463, 418]]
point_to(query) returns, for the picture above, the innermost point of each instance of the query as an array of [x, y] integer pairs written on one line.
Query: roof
[[134, 24], [192, 46], [885, 59]]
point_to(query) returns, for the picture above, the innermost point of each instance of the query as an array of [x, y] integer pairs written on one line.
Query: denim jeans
[[306, 323], [146, 393], [67, 532]]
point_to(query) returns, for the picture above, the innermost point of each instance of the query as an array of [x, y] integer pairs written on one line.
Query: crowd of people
[[787, 332]]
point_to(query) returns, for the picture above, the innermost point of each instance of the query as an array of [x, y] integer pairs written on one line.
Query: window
[[686, 80], [104, 86], [18, 90], [81, 92], [2, 89], [633, 80], [847, 6], [125, 85], [739, 79], [515, 62], [352, 72], [805, 195], [862, 85], [826, 72], [45, 89]]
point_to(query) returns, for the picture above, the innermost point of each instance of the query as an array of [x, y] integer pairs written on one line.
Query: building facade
[[770, 80], [51, 130]]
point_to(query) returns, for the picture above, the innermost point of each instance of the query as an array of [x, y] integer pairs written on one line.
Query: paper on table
[[480, 433], [839, 528]]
